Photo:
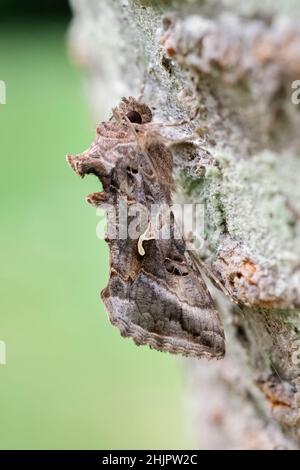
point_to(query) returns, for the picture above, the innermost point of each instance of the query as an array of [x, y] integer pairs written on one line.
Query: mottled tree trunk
[[234, 62]]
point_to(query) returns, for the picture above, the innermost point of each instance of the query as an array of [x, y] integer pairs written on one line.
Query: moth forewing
[[155, 294]]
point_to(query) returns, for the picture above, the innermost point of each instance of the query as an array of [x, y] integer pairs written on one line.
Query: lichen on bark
[[234, 62]]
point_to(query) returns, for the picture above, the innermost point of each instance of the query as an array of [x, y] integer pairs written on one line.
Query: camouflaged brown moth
[[155, 294]]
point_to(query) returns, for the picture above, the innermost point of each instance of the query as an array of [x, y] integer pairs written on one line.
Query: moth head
[[134, 111]]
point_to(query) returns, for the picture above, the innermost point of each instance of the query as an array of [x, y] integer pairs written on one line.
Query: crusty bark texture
[[232, 64]]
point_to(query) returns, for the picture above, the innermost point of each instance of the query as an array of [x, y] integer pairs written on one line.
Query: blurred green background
[[70, 380]]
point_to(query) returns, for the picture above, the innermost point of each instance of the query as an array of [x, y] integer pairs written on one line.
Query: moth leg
[[211, 275]]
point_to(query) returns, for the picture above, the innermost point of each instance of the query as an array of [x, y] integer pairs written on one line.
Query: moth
[[156, 294]]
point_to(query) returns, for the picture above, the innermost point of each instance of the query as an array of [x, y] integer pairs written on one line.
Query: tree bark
[[234, 63]]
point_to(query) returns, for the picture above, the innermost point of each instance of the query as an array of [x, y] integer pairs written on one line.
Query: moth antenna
[[142, 88], [182, 122], [211, 275], [144, 83]]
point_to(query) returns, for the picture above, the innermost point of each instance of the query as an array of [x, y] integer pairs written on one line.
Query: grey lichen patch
[[243, 70], [267, 225], [249, 227], [256, 206], [236, 50], [263, 7]]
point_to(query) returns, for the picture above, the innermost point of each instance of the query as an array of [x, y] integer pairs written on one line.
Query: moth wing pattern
[[156, 297], [174, 315]]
